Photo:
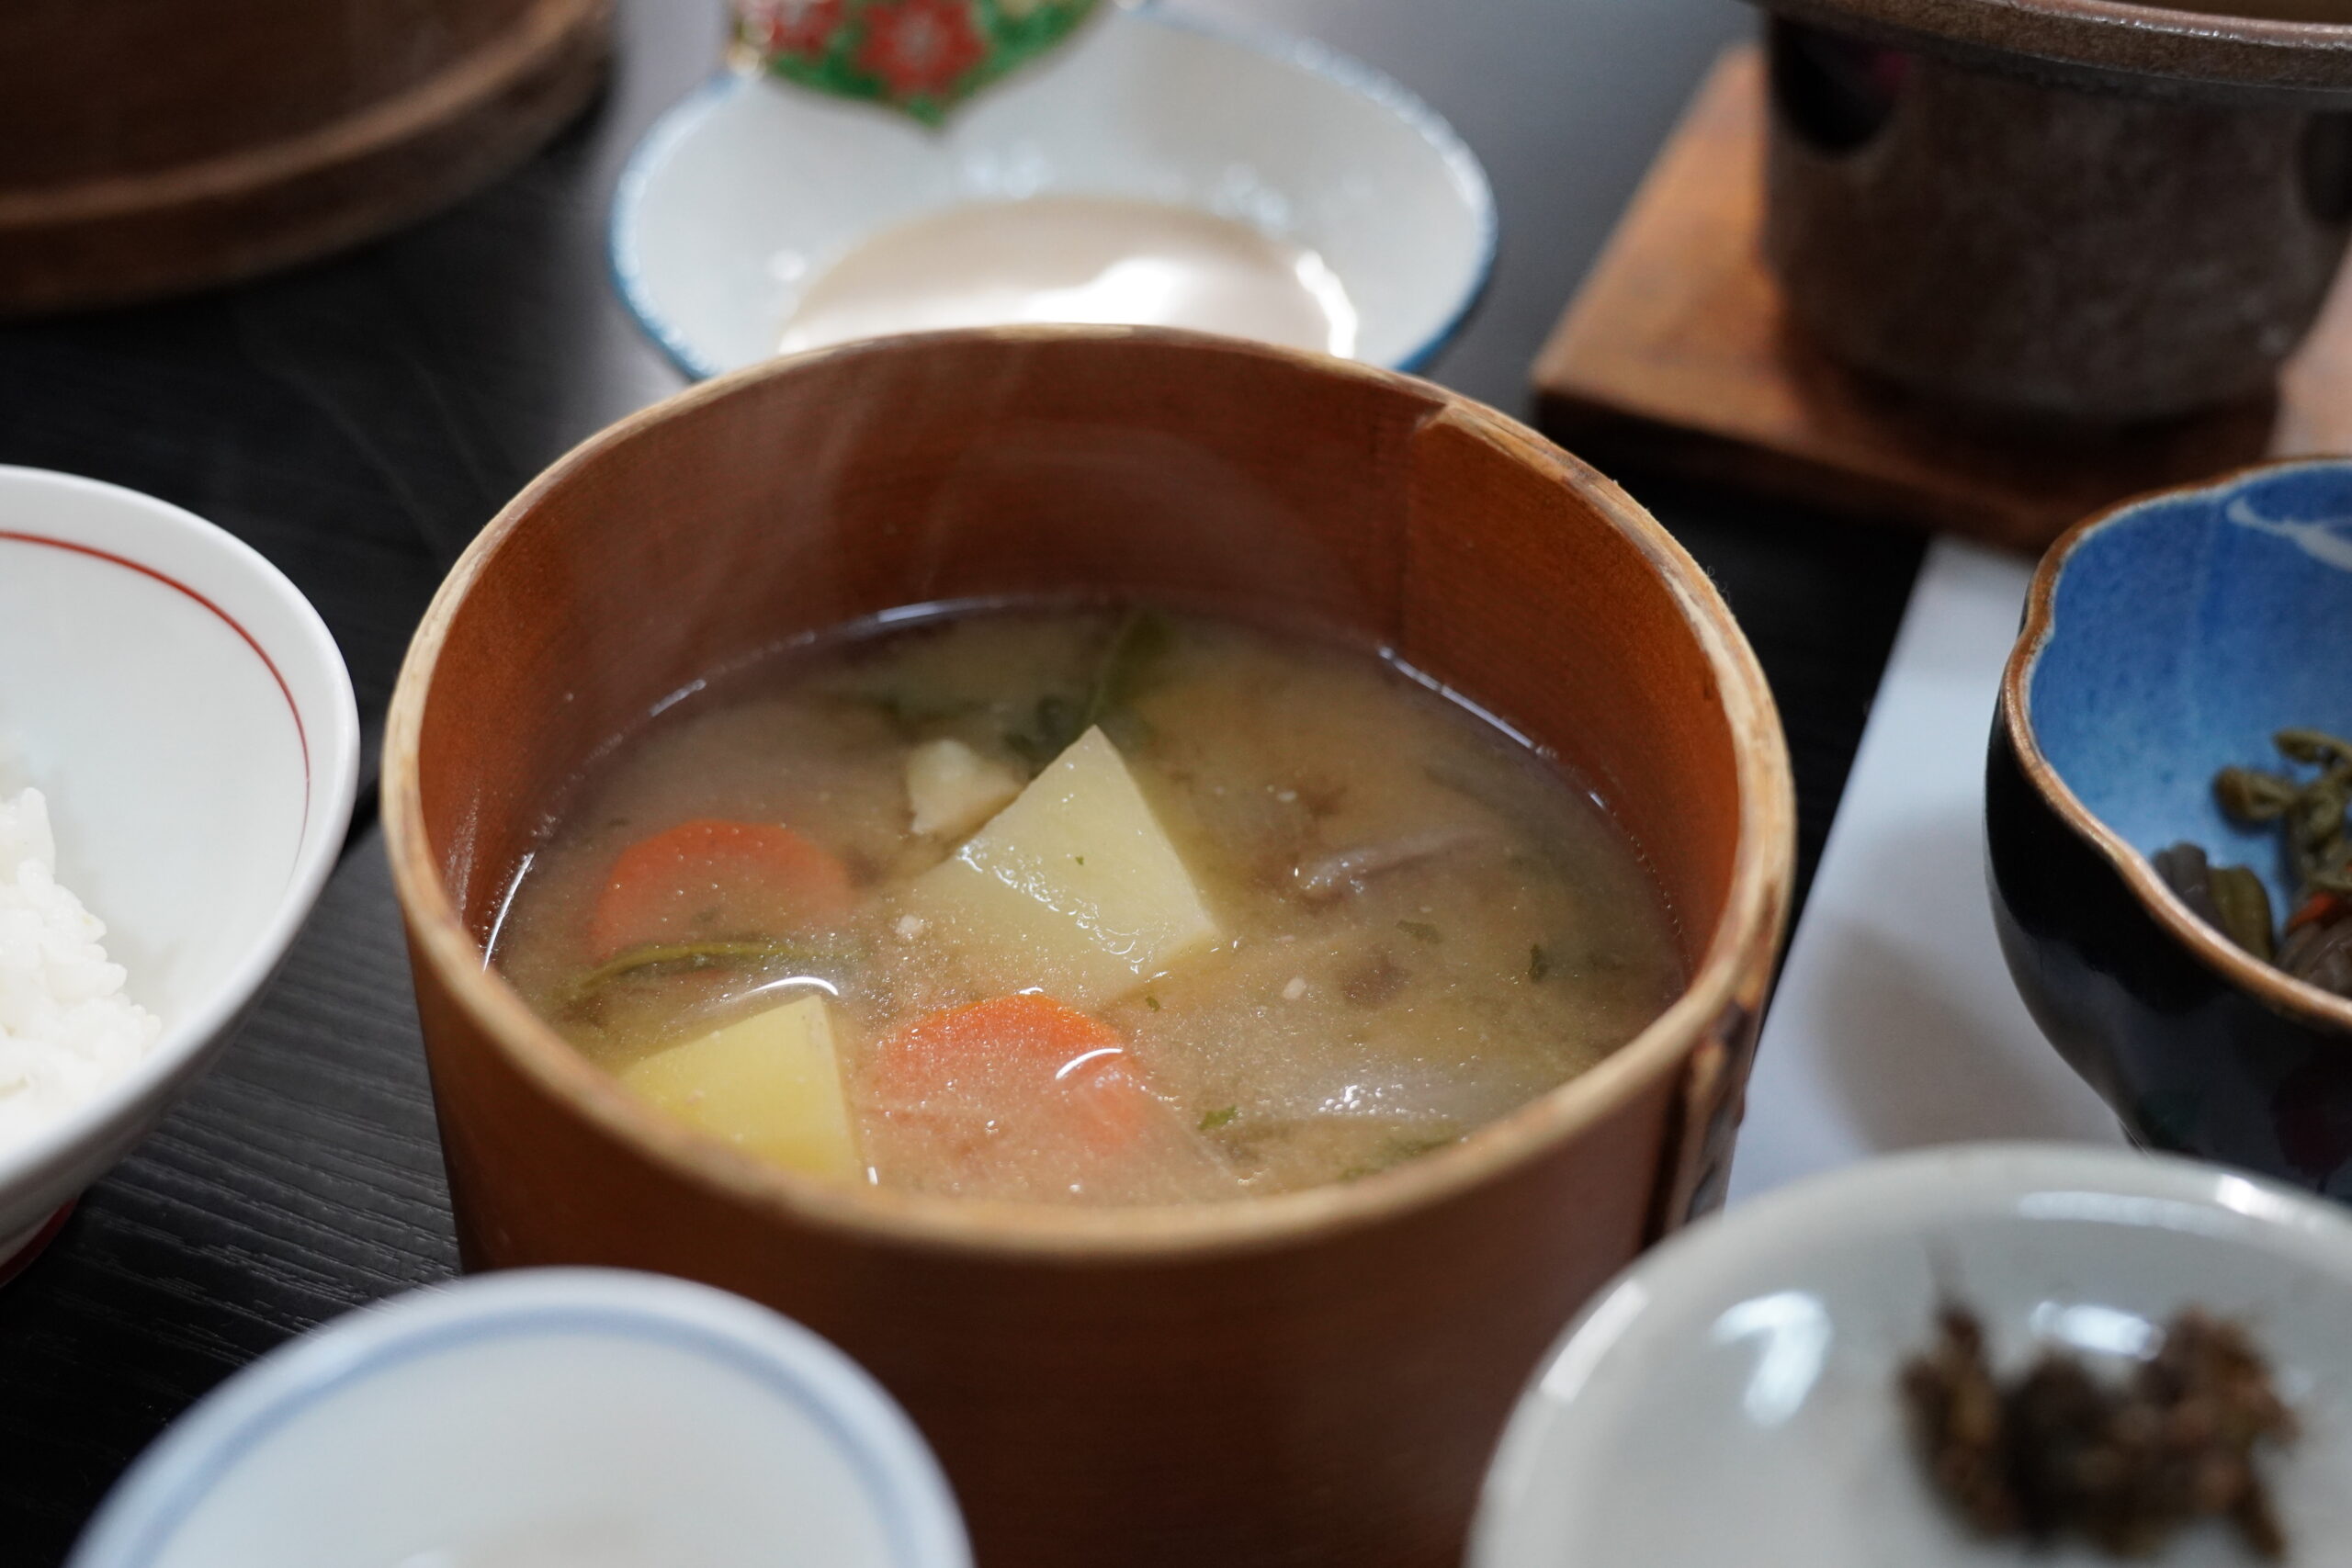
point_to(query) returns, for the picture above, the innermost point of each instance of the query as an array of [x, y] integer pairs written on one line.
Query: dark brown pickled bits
[[2123, 1463]]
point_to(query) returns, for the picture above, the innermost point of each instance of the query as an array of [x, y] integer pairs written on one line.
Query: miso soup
[[1085, 904]]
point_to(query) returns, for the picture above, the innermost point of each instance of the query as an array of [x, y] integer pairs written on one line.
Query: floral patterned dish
[[751, 188], [923, 56]]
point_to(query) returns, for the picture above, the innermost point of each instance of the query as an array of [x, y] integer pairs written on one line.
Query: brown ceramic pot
[[153, 146], [2098, 211], [1313, 1377]]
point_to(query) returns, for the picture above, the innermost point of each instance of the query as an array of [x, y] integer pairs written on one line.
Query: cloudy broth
[[1081, 905]]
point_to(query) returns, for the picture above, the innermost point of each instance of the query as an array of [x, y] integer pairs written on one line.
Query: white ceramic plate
[[544, 1419], [749, 189], [186, 713], [1730, 1399]]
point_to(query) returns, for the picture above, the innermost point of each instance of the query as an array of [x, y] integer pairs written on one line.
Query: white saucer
[[1731, 1399], [751, 188]]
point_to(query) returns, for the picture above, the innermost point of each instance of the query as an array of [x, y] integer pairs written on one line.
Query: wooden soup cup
[[1312, 1377]]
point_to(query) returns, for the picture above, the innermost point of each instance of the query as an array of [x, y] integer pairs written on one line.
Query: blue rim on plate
[[912, 1501], [1304, 53]]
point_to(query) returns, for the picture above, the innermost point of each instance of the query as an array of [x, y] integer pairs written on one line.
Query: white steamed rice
[[66, 1028]]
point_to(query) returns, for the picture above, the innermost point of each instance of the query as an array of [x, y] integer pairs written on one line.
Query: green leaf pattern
[[920, 56]]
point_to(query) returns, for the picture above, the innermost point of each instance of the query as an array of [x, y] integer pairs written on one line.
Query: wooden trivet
[[1676, 353]]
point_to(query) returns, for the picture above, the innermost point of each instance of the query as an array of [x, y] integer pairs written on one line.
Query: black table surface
[[357, 421]]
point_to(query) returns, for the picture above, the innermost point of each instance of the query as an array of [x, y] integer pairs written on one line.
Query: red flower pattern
[[791, 27], [920, 46]]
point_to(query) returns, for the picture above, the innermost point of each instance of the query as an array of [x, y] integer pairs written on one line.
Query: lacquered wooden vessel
[[150, 147], [1314, 1378]]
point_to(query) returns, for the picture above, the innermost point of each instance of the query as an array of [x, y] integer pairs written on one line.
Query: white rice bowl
[[67, 1028], [189, 726]]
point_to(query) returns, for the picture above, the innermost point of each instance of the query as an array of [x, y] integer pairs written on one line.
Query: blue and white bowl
[[580, 1417], [2165, 641], [748, 190]]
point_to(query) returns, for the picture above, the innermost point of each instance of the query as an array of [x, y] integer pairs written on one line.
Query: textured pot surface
[[2276, 50], [2098, 255], [1316, 1377]]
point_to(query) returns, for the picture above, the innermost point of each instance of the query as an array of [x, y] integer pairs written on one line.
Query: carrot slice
[[708, 879], [1027, 1058]]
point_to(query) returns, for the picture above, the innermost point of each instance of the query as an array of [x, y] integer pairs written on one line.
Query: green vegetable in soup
[[1303, 953], [1394, 1153], [913, 714], [1129, 661], [1143, 640]]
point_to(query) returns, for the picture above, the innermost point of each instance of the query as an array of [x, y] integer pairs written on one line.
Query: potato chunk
[[1074, 887], [951, 789], [770, 1084]]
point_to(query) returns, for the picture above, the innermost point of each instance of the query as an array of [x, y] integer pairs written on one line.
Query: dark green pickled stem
[[2229, 898], [2252, 796], [2314, 747], [2318, 814], [2244, 905], [2185, 871], [2311, 814]]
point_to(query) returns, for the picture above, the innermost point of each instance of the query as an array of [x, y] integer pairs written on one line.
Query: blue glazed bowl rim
[[2274, 988]]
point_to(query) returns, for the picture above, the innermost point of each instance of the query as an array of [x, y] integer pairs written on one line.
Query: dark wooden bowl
[[149, 147], [1313, 1377]]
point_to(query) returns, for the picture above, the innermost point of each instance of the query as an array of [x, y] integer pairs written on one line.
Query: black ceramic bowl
[[2162, 641]]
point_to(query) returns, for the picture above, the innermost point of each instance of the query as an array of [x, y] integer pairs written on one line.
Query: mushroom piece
[[1346, 871]]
